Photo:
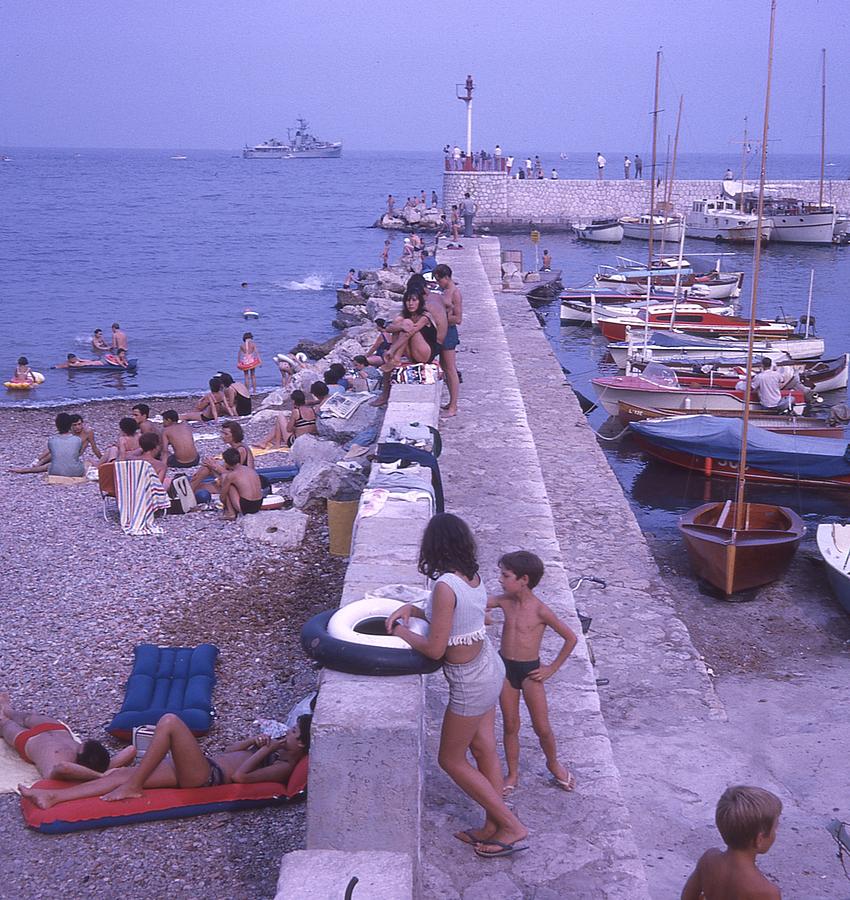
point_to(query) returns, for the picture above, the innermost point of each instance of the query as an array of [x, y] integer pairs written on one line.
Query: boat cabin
[[713, 207]]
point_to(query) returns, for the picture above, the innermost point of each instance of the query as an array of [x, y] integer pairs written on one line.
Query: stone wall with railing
[[511, 201]]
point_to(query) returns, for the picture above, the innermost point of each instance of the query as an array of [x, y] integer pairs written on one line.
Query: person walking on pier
[[467, 210], [600, 167], [627, 165], [638, 167], [457, 636]]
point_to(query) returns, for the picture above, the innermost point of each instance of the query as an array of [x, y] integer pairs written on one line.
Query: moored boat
[[740, 549], [608, 231], [720, 220], [834, 547], [664, 227], [711, 445], [697, 322]]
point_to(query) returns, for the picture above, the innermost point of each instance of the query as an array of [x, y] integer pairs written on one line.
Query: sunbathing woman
[[128, 443], [211, 405], [238, 396], [233, 436], [287, 427], [250, 761]]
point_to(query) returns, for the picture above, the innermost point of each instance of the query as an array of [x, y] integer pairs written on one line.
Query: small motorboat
[[607, 231], [578, 305], [664, 228], [542, 286], [739, 552], [834, 547], [688, 320], [810, 426]]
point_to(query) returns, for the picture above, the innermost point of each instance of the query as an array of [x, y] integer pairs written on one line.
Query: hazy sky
[[557, 75]]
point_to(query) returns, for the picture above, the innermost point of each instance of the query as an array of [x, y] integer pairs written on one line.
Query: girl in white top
[[475, 674]]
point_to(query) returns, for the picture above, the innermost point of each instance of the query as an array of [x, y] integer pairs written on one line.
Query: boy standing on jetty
[[526, 619], [747, 818]]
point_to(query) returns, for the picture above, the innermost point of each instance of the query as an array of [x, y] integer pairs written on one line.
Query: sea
[[175, 249]]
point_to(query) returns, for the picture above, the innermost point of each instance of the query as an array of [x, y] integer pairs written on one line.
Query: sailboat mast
[[822, 123], [652, 167], [742, 465], [743, 162], [668, 204]]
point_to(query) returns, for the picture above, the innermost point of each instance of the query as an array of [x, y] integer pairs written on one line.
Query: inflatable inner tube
[[37, 379], [354, 640]]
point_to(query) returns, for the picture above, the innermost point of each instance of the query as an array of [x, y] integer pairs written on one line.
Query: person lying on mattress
[[48, 744], [253, 760]]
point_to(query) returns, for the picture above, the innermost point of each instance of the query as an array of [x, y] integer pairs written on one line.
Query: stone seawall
[[504, 201]]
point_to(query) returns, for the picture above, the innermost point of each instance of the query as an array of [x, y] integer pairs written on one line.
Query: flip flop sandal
[[505, 849]]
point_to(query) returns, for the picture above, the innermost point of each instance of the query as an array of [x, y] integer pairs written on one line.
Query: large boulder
[[348, 316], [318, 480], [314, 350], [383, 309], [349, 298], [308, 448], [393, 281], [412, 215], [284, 528], [342, 430]]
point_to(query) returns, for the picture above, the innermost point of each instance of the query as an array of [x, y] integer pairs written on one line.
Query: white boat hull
[[672, 231], [603, 234], [834, 547], [684, 400], [809, 348], [808, 228], [722, 228]]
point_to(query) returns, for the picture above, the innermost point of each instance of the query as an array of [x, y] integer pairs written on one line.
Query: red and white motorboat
[[704, 323]]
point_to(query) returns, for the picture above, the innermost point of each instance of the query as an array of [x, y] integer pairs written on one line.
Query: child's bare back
[[727, 875]]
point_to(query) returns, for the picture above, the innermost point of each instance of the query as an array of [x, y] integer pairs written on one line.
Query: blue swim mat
[[177, 680]]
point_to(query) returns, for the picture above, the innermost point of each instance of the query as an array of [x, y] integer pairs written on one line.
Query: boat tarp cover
[[720, 438]]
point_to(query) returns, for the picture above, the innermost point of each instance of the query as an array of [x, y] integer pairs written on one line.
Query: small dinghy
[[834, 547]]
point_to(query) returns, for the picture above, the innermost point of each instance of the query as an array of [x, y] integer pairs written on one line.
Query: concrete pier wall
[[509, 201]]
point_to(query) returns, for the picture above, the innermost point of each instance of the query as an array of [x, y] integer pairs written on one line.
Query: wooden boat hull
[[723, 468], [834, 547], [736, 561], [608, 233], [810, 427]]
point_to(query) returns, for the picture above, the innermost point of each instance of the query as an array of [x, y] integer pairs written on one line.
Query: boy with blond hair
[[526, 619], [747, 818]]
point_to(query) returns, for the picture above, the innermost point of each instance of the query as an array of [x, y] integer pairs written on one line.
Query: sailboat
[[737, 546]]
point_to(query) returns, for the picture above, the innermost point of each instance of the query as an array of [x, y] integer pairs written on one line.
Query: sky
[[381, 75]]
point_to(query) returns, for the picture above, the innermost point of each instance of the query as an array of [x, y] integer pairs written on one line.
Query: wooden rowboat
[[738, 559]]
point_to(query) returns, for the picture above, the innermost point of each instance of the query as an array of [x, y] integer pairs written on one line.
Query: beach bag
[[417, 373], [181, 494]]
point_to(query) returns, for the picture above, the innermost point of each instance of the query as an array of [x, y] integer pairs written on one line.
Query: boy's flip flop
[[504, 849], [567, 785], [467, 837]]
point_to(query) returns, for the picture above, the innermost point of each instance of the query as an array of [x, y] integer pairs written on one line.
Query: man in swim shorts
[[49, 745], [241, 488], [177, 436], [256, 759], [119, 338]]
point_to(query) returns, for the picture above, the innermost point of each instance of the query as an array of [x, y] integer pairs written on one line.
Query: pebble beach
[[81, 595]]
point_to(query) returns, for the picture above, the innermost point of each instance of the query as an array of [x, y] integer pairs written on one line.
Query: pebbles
[[78, 595]]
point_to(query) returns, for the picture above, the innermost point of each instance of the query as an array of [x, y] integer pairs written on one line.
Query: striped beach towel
[[139, 494]]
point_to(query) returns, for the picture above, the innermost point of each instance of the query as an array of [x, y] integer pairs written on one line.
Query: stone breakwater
[[505, 203]]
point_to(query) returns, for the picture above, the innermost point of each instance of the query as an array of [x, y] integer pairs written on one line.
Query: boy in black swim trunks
[[526, 619], [241, 489]]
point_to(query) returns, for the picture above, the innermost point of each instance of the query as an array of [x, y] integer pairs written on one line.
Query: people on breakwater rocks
[[174, 759], [600, 167], [385, 255], [627, 165], [435, 200], [248, 361], [526, 618], [453, 305], [350, 283], [638, 166], [119, 338], [178, 443], [456, 612], [98, 344], [747, 819]]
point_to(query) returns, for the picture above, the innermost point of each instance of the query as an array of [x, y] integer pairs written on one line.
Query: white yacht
[[720, 220], [798, 222], [666, 228]]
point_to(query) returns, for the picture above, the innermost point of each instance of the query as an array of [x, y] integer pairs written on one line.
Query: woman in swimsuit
[[233, 436], [416, 333], [248, 361], [237, 395], [288, 426], [475, 673], [250, 761], [211, 405]]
